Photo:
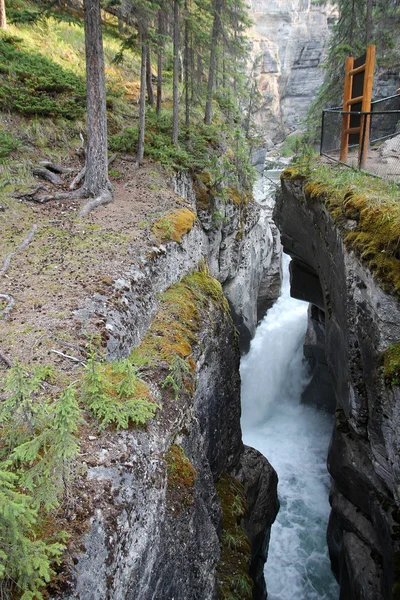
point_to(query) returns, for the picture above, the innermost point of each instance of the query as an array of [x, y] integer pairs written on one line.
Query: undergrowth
[[371, 204], [31, 84]]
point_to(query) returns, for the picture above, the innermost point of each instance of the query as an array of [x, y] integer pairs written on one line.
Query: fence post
[[344, 140]]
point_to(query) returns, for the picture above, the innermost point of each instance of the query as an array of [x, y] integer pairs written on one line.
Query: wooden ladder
[[363, 130]]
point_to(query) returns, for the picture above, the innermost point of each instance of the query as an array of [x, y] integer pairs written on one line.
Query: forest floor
[[70, 259]]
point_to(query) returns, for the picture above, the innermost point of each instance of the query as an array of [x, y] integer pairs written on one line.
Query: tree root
[[22, 246], [105, 197], [31, 195], [76, 181], [55, 168], [48, 175], [11, 303]]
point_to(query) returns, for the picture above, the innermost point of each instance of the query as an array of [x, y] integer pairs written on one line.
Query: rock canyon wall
[[289, 39]]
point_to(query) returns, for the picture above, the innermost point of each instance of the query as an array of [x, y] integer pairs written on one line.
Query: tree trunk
[[187, 103], [3, 21], [213, 53], [96, 177], [175, 76], [149, 75], [142, 100], [159, 59]]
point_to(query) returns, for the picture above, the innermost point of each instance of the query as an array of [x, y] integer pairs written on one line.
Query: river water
[[294, 437]]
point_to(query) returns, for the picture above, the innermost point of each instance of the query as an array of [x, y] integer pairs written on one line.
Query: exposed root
[[5, 359], [55, 168], [22, 246], [76, 181], [48, 175], [105, 197], [30, 195], [11, 303]]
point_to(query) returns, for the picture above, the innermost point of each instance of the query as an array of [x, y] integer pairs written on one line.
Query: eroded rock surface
[[361, 321], [148, 538]]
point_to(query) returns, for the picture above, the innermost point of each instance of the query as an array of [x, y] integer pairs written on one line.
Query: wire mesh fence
[[377, 148]]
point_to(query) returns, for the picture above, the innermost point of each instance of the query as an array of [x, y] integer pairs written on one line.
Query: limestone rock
[[291, 37]]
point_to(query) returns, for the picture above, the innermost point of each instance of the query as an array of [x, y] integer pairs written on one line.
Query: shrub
[[34, 85]]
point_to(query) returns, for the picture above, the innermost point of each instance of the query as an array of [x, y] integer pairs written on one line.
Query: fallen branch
[[11, 303], [5, 359], [73, 358], [47, 175], [55, 168], [22, 246]]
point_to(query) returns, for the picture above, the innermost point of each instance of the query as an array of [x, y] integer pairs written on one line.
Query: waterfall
[[294, 437]]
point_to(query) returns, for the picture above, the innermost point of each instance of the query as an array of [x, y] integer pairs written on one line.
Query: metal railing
[[382, 157]]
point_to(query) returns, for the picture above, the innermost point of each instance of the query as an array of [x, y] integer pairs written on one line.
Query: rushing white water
[[295, 439]]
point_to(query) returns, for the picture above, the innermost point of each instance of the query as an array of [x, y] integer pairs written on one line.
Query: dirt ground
[[69, 259]]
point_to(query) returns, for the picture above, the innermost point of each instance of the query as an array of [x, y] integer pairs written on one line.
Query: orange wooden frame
[[365, 100]]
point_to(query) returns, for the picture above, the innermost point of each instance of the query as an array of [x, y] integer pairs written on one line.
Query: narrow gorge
[[199, 378]]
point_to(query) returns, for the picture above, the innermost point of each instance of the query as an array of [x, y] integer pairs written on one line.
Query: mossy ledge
[[365, 209], [181, 479], [172, 226], [391, 365], [233, 568]]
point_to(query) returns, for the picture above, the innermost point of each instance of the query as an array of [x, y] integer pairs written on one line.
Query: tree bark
[[175, 116], [187, 103], [159, 59], [142, 100], [149, 75], [96, 181], [213, 54], [3, 20]]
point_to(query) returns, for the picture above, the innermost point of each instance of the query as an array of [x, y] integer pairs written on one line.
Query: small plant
[[25, 561], [179, 369], [8, 144], [48, 457], [116, 395], [219, 219]]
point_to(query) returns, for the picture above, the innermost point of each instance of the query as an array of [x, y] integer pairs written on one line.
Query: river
[[294, 437]]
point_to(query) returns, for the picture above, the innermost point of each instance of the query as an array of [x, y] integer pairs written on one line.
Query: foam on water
[[295, 439]]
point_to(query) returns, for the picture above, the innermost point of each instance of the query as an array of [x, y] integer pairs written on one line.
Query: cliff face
[[289, 39], [153, 519], [359, 322]]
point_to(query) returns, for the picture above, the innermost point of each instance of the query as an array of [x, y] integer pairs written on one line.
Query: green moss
[[374, 206], [233, 568], [174, 225], [173, 330], [181, 478], [391, 365]]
